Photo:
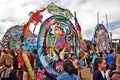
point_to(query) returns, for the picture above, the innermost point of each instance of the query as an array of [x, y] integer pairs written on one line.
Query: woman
[[6, 68], [99, 67]]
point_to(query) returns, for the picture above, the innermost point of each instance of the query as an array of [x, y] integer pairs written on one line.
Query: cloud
[[115, 29], [116, 33], [16, 12], [114, 25]]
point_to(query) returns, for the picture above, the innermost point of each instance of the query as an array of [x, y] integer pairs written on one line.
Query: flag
[[78, 27]]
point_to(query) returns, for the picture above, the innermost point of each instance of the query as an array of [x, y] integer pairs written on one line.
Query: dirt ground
[[85, 73]]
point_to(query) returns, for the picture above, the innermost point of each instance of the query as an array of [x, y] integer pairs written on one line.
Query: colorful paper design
[[13, 39], [57, 36], [101, 38], [56, 10]]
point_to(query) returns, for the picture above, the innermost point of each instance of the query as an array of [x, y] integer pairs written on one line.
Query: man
[[111, 57]]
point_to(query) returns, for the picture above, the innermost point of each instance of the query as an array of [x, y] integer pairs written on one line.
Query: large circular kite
[[57, 36], [101, 37], [13, 39]]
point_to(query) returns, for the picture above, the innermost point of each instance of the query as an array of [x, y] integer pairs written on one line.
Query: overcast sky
[[13, 12]]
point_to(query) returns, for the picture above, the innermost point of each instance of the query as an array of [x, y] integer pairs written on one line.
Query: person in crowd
[[110, 57], [110, 69], [75, 63], [99, 68], [106, 52], [94, 56], [118, 50], [82, 60], [100, 54], [83, 57], [15, 59], [88, 59], [68, 74], [15, 53], [6, 68], [66, 56], [116, 72]]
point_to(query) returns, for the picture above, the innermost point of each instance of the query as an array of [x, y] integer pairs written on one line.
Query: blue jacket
[[110, 58], [94, 57], [66, 76]]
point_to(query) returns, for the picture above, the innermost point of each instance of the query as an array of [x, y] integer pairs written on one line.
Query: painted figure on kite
[[57, 39], [57, 36]]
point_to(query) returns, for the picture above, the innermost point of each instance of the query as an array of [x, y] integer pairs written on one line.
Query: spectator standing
[[75, 63], [94, 56], [99, 68], [110, 57]]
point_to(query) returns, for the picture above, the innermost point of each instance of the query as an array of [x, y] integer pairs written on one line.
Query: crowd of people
[[12, 67], [103, 65], [7, 66]]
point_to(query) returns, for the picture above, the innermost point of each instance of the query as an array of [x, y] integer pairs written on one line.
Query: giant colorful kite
[[13, 38], [101, 38], [57, 36]]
